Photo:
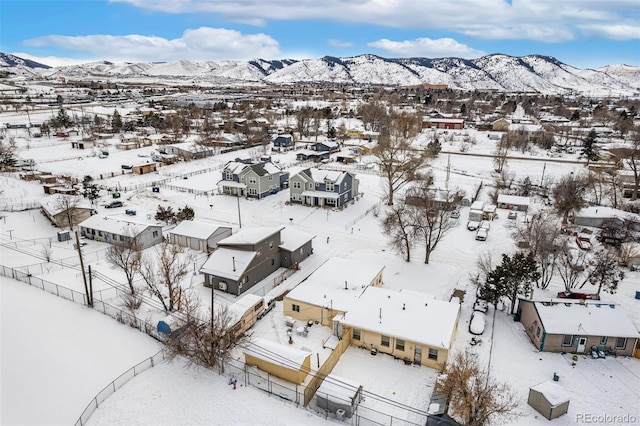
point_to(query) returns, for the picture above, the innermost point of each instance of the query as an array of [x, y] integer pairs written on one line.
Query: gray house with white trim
[[117, 231], [319, 188], [252, 180], [198, 235]]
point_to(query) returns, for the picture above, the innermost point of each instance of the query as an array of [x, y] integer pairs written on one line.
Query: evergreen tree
[[434, 147], [90, 190], [62, 119], [513, 277], [331, 134], [589, 148], [116, 121], [164, 214]]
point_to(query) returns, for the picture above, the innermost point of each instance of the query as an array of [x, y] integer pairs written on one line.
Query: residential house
[[500, 125], [252, 180], [116, 231], [311, 155], [83, 144], [331, 290], [514, 202], [600, 217], [319, 188], [408, 325], [60, 214], [566, 325], [198, 235], [188, 150], [443, 123], [295, 246], [326, 146], [280, 360], [283, 142]]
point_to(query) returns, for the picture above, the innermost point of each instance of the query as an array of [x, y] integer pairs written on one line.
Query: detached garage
[[198, 235], [279, 360], [549, 399]]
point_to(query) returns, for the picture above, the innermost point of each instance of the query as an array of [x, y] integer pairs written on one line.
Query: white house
[[117, 231]]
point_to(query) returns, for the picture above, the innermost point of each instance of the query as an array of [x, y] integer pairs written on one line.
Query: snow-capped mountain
[[535, 73]]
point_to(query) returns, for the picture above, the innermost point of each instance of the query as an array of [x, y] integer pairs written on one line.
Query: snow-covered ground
[[174, 394]]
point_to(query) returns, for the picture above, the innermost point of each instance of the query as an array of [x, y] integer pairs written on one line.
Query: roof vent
[[403, 306]]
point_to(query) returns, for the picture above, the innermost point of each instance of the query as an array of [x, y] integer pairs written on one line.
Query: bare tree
[[46, 252], [164, 273], [568, 194], [472, 396], [67, 204], [207, 343], [542, 235], [632, 157], [399, 162], [501, 153], [430, 212], [397, 226], [126, 256], [572, 265]]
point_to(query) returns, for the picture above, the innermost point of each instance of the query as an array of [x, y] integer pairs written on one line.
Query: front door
[[417, 355], [582, 344]]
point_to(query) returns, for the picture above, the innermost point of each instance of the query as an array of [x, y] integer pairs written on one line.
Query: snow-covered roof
[[292, 239], [408, 315], [338, 389], [326, 286], [235, 167], [555, 394], [319, 175], [228, 263], [196, 229], [530, 128], [276, 353], [586, 319], [115, 226], [242, 305], [513, 199], [53, 207], [603, 212], [250, 235]]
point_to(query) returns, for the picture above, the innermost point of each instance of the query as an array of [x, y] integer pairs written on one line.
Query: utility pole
[[84, 276], [239, 217], [90, 284]]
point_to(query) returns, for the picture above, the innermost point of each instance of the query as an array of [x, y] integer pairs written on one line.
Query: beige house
[[575, 326], [408, 325], [282, 361], [500, 125], [331, 290], [60, 215]]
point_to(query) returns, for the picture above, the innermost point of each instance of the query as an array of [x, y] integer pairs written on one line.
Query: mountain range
[[531, 73]]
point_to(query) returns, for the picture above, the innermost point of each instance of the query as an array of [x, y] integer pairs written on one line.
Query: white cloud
[[195, 44], [540, 20], [615, 32], [339, 43], [427, 47]]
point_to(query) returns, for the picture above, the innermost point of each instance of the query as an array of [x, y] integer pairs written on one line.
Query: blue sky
[[582, 33]]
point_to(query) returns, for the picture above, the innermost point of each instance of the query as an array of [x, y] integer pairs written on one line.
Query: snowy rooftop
[[196, 229], [250, 235], [338, 388], [115, 226], [589, 319], [319, 175], [603, 212], [514, 199], [229, 263], [52, 206], [238, 309], [410, 316], [555, 394], [276, 353], [326, 286], [293, 239]]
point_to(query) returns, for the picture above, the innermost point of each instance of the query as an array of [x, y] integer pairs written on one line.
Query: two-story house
[[326, 146], [283, 142], [315, 187], [252, 180], [249, 256]]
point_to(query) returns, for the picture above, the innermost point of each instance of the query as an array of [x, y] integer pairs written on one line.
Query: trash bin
[[556, 377], [116, 195], [637, 294], [340, 414]]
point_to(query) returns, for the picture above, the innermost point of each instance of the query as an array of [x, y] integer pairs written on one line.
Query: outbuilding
[[339, 396], [282, 361], [198, 235], [549, 399]]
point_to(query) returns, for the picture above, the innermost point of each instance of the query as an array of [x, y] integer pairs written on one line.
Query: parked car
[[512, 215], [577, 295], [584, 244], [267, 308], [477, 323], [455, 214], [473, 225], [485, 224], [482, 234], [113, 205], [127, 166]]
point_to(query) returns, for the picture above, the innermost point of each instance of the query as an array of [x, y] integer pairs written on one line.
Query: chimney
[[233, 260], [345, 286], [403, 306]]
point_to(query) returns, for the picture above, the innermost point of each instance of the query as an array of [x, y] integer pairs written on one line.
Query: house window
[[329, 186], [567, 340], [155, 233], [399, 344], [295, 308], [115, 237], [228, 175], [99, 233], [355, 334], [252, 179], [621, 342], [433, 354], [253, 191], [296, 185], [270, 177], [121, 238], [310, 186], [384, 341], [603, 340]]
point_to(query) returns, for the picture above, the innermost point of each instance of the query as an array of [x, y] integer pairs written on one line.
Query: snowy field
[[174, 394]]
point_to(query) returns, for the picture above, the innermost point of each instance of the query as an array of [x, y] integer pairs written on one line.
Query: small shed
[[144, 168], [549, 399], [282, 361], [337, 393]]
